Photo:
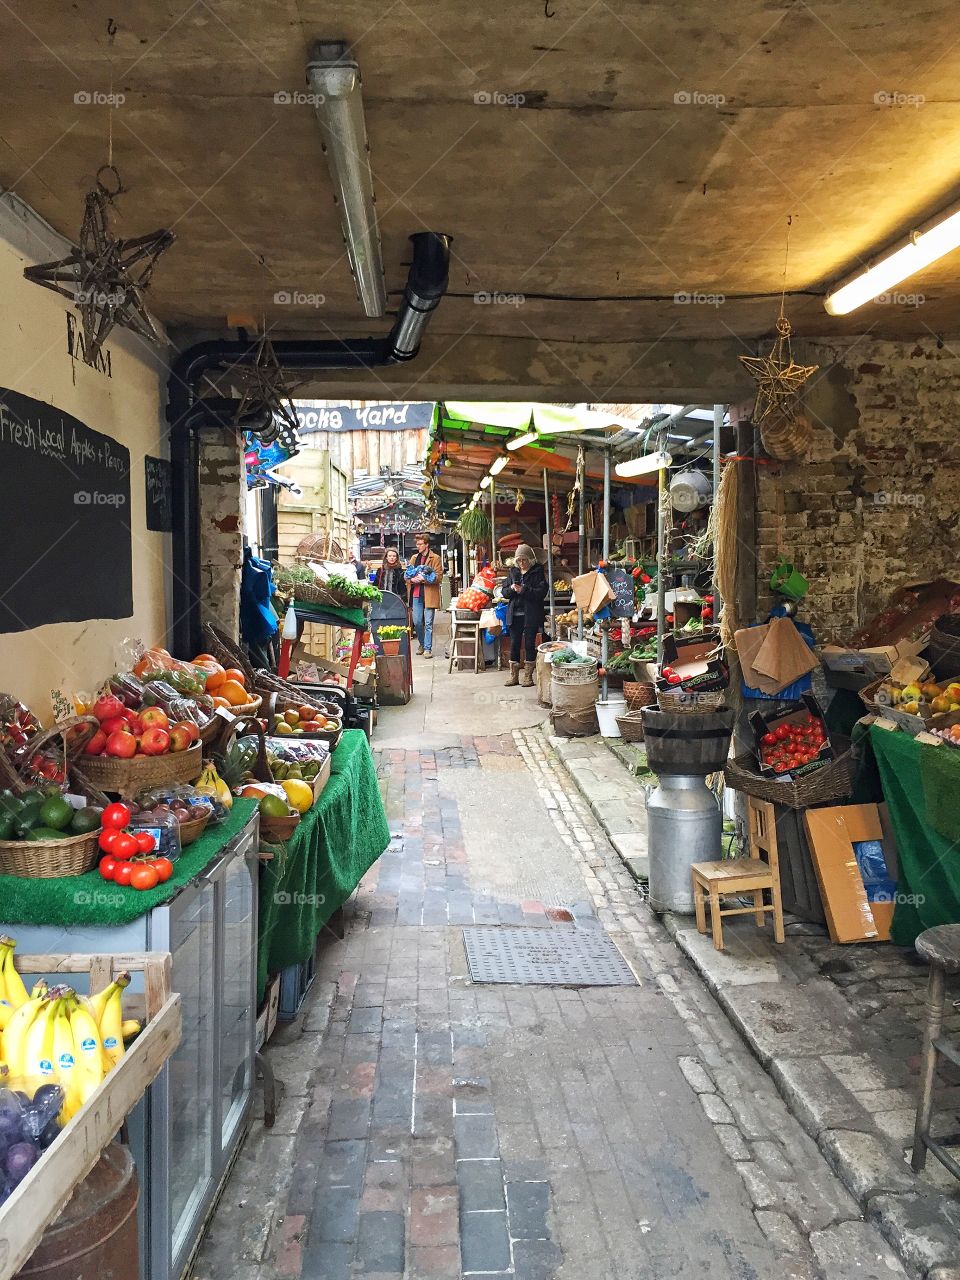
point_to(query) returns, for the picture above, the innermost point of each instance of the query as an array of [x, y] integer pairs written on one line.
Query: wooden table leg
[[715, 919], [936, 988]]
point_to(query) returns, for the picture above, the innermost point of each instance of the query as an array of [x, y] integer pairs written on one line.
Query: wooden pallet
[[52, 1181]]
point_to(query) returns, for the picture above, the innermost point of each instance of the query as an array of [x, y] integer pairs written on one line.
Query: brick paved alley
[[433, 1128]]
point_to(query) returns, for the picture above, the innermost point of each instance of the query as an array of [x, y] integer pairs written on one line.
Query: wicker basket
[[276, 830], [828, 784], [630, 725], [639, 693], [127, 777], [573, 672], [46, 859], [688, 702], [227, 652], [288, 697], [193, 830], [330, 736], [467, 615], [247, 708], [321, 546], [79, 729], [786, 434]]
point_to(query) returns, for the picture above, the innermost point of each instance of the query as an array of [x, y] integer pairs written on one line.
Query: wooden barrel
[[686, 743]]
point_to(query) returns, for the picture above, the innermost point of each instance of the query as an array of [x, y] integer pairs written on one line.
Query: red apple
[[180, 738], [154, 718], [96, 744], [116, 724], [154, 742], [135, 722], [107, 707], [121, 744], [189, 727]]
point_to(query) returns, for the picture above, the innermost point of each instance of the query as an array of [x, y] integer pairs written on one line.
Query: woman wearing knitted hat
[[526, 592]]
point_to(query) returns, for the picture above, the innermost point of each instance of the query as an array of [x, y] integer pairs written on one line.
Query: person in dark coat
[[390, 574], [526, 592]]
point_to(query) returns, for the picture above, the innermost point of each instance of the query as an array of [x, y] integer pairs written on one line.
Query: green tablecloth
[[921, 785], [91, 900], [320, 866], [355, 618]]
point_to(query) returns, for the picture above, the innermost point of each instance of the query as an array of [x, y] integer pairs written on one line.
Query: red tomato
[[146, 843], [143, 876], [107, 839], [115, 815], [673, 678], [782, 731], [768, 739], [125, 845], [122, 873], [163, 868], [107, 867]]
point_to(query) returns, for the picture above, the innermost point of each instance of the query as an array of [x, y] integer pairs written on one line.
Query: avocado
[[6, 825], [45, 833], [28, 816], [56, 812], [85, 820]]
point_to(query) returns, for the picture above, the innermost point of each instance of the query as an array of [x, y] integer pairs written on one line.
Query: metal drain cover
[[556, 957]]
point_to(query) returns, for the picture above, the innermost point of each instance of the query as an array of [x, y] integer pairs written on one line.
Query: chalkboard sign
[[158, 477], [65, 554], [622, 606]]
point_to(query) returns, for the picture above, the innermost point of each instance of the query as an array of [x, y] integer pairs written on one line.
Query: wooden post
[[746, 577]]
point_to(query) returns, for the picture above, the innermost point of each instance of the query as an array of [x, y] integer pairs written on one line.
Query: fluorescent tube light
[[334, 77], [922, 248], [498, 464], [485, 482], [528, 438], [646, 462]]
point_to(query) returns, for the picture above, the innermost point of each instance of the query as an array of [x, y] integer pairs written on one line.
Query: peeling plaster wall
[[876, 502], [222, 507]]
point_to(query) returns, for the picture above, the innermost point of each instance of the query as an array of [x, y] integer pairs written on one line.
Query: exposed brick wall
[[222, 505], [876, 503]]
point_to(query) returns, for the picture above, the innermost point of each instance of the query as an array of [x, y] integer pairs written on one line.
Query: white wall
[[34, 361]]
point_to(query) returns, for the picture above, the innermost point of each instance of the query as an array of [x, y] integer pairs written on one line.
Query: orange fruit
[[234, 693], [202, 658], [216, 678], [221, 702], [234, 673]]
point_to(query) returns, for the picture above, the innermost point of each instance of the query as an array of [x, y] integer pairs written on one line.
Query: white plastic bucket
[[607, 711]]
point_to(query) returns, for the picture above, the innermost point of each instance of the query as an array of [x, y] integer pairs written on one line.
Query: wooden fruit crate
[[51, 1182]]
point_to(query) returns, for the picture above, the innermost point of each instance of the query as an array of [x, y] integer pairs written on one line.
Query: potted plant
[[389, 638]]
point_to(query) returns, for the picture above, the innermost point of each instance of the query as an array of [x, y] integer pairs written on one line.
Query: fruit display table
[[919, 784], [337, 841]]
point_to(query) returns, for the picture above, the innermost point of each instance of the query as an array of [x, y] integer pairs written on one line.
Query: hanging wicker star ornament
[[779, 379], [104, 277], [267, 393]]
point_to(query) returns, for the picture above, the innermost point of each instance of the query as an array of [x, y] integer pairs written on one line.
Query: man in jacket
[[423, 586], [526, 593]]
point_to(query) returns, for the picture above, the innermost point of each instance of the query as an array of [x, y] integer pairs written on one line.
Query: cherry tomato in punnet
[[163, 868], [122, 873], [107, 839], [125, 845], [768, 739], [782, 731], [146, 843], [107, 867], [143, 876], [115, 815]]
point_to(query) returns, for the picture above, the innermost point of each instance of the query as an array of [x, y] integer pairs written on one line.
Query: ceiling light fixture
[[922, 248], [498, 464], [646, 462], [485, 482], [527, 438], [334, 77]]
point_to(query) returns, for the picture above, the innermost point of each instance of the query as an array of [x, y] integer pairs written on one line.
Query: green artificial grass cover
[[91, 900], [318, 868], [355, 618]]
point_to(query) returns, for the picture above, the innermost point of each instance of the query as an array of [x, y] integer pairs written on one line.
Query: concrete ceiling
[[659, 149]]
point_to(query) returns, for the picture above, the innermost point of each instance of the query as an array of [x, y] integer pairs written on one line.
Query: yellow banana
[[38, 1045], [131, 1027], [4, 948], [65, 1061], [16, 991], [111, 1029], [15, 1032], [89, 1049], [6, 1013], [97, 1002]]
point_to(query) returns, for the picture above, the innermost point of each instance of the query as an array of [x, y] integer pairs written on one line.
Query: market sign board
[[402, 416], [623, 604], [158, 481], [65, 498]]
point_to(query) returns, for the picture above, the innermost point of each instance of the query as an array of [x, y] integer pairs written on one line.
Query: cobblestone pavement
[[435, 1128]]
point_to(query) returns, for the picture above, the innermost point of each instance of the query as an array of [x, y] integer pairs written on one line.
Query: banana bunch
[[211, 784], [67, 1039]]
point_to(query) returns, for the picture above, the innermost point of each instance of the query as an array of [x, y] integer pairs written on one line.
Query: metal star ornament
[[105, 277], [778, 377], [267, 394]]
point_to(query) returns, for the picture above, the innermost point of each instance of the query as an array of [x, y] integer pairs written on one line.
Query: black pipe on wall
[[189, 412]]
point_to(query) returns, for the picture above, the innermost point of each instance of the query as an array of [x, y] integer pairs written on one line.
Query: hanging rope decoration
[[577, 489], [106, 278], [778, 377]]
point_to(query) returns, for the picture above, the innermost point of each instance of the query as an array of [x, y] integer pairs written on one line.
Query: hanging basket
[[639, 693], [786, 434]]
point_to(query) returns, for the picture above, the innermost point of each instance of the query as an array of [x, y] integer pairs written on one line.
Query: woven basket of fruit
[[245, 768], [41, 834], [302, 721], [227, 652], [296, 696], [126, 776]]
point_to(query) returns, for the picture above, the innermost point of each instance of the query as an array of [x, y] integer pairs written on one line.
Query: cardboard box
[[697, 660], [832, 834], [591, 591], [879, 660], [763, 723]]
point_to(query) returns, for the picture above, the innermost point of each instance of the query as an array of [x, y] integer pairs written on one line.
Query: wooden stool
[[465, 634], [759, 872], [940, 947]]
